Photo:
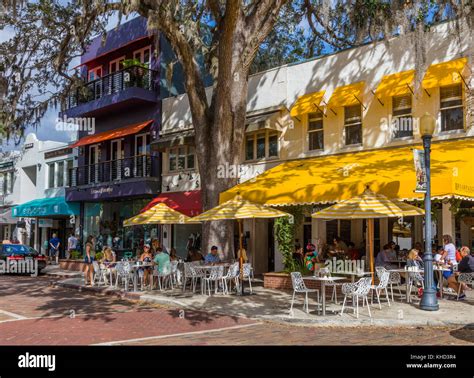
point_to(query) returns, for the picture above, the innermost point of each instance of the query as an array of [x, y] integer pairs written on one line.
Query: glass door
[[93, 163], [116, 159], [115, 80]]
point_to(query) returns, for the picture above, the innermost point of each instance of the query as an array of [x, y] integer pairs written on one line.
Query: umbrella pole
[[241, 258], [370, 231]]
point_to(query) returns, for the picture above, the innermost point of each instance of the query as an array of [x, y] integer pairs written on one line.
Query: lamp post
[[429, 302]]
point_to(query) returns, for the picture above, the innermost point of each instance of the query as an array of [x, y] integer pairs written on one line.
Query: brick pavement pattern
[[32, 312]]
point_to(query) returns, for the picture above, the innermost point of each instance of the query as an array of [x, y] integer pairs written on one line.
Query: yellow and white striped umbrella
[[238, 208], [368, 206], [158, 214]]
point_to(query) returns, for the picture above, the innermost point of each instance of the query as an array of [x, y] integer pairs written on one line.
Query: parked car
[[11, 252]]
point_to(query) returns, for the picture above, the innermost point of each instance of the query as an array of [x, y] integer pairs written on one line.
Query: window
[[95, 73], [353, 124], [51, 175], [6, 182], [315, 131], [402, 124], [60, 173], [70, 165], [452, 115], [261, 145], [181, 158], [143, 55]]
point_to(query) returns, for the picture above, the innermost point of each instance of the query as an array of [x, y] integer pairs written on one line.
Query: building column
[[357, 233], [36, 241], [448, 223], [465, 233], [418, 230], [383, 225]]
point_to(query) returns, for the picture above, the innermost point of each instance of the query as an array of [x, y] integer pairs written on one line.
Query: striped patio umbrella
[[158, 214], [238, 208], [369, 206]]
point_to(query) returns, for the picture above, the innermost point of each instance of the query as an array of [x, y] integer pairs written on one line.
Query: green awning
[[46, 207]]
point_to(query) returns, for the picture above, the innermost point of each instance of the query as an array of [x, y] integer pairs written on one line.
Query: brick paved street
[[33, 312]]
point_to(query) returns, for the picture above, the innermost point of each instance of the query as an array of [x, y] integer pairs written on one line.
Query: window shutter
[[453, 91], [402, 102]]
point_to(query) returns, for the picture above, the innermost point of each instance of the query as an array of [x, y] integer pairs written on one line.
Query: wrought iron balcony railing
[[134, 76], [111, 171]]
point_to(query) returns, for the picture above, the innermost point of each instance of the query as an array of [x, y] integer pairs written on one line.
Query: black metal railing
[[111, 171], [134, 76]]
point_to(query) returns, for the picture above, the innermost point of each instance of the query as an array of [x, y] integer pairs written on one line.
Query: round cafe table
[[323, 281]]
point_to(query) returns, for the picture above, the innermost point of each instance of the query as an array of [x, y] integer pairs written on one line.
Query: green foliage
[[127, 63], [99, 256], [76, 255]]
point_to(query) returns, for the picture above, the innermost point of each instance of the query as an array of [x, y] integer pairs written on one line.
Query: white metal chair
[[163, 276], [123, 274], [414, 279], [248, 272], [355, 291], [193, 274], [394, 278], [463, 279], [300, 287], [174, 272], [381, 286], [232, 275], [216, 276], [99, 274]]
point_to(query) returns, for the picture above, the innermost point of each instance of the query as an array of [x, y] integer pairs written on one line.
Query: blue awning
[[46, 207]]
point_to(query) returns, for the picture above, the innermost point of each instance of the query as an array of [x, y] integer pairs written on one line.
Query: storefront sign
[[27, 146], [420, 170], [6, 166], [45, 223], [56, 153], [122, 190]]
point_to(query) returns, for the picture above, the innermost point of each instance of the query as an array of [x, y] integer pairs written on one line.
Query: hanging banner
[[420, 171]]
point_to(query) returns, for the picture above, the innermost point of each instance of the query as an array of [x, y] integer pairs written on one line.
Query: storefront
[[180, 236], [46, 216]]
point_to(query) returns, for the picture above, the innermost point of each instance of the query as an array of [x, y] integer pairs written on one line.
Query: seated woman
[[194, 255], [466, 265], [298, 255], [415, 262], [173, 255], [108, 257], [311, 257], [352, 252]]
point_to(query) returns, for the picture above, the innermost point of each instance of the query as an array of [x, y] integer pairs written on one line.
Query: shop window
[[60, 173], [6, 182], [51, 174], [451, 108], [261, 145], [353, 125], [402, 123], [70, 165], [315, 131], [181, 158]]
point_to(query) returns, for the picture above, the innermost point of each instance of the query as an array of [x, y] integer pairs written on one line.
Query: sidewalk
[[274, 305]]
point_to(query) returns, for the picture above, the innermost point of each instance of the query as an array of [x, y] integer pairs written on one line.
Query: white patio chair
[[232, 275], [124, 274], [355, 291], [394, 278], [381, 286], [216, 276], [99, 274], [193, 274], [463, 279], [248, 272], [174, 272], [163, 277], [300, 287], [414, 279]]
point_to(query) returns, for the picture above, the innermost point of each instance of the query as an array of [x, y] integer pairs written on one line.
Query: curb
[[98, 290]]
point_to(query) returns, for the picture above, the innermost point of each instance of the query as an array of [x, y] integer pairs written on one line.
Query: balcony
[[132, 176], [130, 86]]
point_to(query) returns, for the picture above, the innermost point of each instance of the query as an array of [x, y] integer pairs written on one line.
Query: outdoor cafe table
[[440, 271], [323, 281]]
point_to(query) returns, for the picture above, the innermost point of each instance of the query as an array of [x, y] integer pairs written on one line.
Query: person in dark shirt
[[466, 265]]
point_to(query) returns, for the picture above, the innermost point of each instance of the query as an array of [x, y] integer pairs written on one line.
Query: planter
[[74, 265]]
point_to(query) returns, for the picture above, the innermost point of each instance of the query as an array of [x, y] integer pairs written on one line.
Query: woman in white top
[[449, 250]]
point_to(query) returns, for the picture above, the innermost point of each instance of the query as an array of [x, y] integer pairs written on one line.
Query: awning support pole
[[360, 102], [428, 93], [464, 81], [378, 99], [321, 110]]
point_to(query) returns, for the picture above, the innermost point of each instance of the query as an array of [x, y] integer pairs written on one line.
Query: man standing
[[213, 257], [71, 245], [54, 245]]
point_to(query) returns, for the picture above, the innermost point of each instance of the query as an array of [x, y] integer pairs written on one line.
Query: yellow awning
[[161, 213], [441, 74], [306, 104], [388, 171], [347, 95], [396, 84]]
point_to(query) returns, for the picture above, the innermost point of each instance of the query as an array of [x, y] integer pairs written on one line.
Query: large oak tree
[[232, 37]]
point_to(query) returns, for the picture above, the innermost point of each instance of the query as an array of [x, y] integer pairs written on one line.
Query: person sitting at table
[[311, 257], [108, 256], [383, 258], [339, 245], [173, 255], [298, 255], [194, 255], [419, 247], [213, 256], [146, 257], [415, 262], [244, 255], [352, 252], [161, 260], [391, 252], [466, 265]]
